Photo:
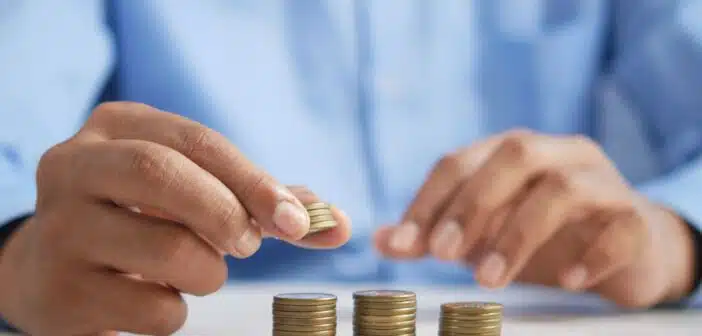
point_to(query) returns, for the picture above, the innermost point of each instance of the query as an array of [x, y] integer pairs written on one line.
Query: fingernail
[[291, 219], [404, 237], [447, 240], [575, 278], [492, 268], [247, 244]]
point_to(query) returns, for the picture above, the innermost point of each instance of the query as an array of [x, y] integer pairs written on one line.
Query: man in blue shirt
[[550, 142]]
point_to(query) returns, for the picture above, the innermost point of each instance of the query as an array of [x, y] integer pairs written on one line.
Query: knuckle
[[451, 163], [515, 148], [481, 204], [105, 114], [421, 216], [106, 109], [229, 218], [167, 315], [605, 254], [50, 161], [518, 237], [196, 140], [588, 146], [150, 163], [174, 247], [558, 180], [255, 182]]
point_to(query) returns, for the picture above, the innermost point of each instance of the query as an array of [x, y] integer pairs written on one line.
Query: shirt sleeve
[[54, 61], [656, 72]]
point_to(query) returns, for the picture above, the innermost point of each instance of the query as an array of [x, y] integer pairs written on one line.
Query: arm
[[656, 72]]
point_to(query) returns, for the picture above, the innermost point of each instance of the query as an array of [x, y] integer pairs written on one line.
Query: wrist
[[683, 259], [8, 241]]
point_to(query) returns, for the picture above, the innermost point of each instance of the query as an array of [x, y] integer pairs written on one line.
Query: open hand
[[551, 210]]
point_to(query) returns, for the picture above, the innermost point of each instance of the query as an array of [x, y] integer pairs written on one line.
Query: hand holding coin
[[141, 205]]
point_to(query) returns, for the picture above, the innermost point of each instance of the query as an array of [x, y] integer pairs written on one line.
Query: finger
[[146, 174], [408, 240], [534, 221], [269, 202], [134, 306], [617, 246], [156, 249], [519, 158], [381, 237], [329, 239]]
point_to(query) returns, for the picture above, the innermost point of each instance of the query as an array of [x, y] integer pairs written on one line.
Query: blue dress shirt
[[358, 99]]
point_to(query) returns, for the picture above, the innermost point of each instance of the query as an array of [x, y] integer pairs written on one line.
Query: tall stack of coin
[[384, 312], [304, 314], [321, 217], [470, 318]]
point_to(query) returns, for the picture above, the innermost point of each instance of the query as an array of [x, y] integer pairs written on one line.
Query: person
[[145, 143]]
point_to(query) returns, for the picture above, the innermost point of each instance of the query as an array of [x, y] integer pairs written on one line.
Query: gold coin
[[321, 327], [385, 305], [469, 323], [385, 332], [304, 333], [317, 206], [471, 307], [305, 299], [304, 321], [302, 308], [305, 314], [321, 226], [383, 319], [321, 218], [384, 295], [384, 311], [319, 212]]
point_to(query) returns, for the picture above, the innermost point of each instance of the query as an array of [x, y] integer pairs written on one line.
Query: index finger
[[276, 209], [409, 239]]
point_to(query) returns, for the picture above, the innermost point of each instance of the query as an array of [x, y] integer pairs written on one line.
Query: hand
[[85, 264], [550, 210]]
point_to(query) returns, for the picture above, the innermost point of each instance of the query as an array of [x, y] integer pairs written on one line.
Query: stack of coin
[[384, 312], [470, 318], [308, 314], [321, 217]]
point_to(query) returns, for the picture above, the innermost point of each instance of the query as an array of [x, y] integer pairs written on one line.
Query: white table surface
[[245, 310]]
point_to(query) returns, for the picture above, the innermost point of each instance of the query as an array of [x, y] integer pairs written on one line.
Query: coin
[[384, 312], [306, 299], [304, 314], [470, 318], [321, 217], [316, 206]]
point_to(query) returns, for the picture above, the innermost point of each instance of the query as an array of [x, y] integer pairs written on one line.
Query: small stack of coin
[[470, 318], [384, 312], [321, 217], [308, 314]]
